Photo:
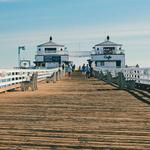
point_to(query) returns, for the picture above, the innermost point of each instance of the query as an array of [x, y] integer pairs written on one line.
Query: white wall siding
[[39, 58], [52, 65], [41, 50], [111, 61], [64, 58], [103, 57]]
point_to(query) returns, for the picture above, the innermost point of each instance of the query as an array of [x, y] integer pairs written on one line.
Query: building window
[[43, 64], [118, 64], [108, 50], [49, 58], [100, 64], [50, 50]]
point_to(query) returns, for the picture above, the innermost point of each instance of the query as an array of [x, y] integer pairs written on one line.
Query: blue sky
[[74, 23]]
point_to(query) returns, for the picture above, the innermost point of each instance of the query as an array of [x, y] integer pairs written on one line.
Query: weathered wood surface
[[9, 88], [73, 114]]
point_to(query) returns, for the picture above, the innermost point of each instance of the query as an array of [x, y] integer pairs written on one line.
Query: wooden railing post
[[101, 75], [54, 77], [121, 81], [109, 78], [130, 84], [57, 75]]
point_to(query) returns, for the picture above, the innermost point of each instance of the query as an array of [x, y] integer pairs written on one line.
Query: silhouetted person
[[87, 70], [69, 70]]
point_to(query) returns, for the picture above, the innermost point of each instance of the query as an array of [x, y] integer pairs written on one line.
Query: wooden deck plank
[[74, 114]]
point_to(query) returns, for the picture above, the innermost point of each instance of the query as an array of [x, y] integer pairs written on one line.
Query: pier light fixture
[[19, 54]]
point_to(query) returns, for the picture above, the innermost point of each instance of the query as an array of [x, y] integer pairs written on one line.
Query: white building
[[108, 54], [50, 55]]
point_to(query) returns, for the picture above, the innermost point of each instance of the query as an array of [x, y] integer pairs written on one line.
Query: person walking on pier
[[73, 68], [69, 70], [83, 69], [87, 70]]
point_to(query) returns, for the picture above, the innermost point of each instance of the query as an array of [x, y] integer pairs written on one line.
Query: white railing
[[140, 75], [9, 77]]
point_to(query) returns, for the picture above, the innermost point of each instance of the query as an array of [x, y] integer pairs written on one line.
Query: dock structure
[[74, 114]]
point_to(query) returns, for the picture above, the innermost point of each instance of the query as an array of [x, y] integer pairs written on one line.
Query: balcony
[[110, 52]]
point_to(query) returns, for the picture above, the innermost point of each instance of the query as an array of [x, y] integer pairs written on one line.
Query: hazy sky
[[76, 23]]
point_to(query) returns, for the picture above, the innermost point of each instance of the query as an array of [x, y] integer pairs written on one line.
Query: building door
[[118, 64]]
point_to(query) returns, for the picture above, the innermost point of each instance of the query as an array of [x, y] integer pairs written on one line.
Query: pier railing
[[139, 75], [13, 77]]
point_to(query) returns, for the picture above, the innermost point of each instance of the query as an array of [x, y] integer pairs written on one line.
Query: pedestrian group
[[84, 69]]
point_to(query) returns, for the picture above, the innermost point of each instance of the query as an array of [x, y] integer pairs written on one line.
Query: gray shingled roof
[[108, 43], [50, 43]]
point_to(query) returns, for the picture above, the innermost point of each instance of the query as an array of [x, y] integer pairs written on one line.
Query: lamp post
[[19, 52]]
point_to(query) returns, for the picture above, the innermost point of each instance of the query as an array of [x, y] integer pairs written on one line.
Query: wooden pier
[[74, 114]]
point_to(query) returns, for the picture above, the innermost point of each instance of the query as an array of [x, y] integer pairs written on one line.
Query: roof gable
[[50, 43], [108, 43]]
